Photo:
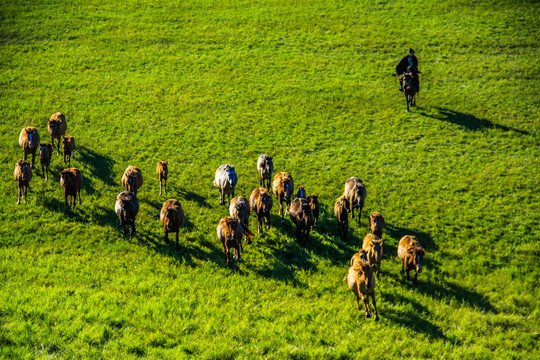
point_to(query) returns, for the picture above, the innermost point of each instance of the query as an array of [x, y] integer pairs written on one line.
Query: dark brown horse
[[171, 216], [409, 89], [302, 216]]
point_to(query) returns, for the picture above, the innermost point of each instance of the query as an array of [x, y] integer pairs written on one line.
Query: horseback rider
[[409, 64]]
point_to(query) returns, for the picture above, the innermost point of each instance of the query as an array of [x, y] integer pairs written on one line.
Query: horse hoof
[[368, 316], [377, 318]]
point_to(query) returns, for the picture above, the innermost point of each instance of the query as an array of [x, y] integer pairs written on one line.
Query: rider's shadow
[[469, 121]]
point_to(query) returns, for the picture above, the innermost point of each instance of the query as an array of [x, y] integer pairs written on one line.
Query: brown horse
[[411, 254], [341, 210], [172, 217], [261, 203], [230, 232], [68, 146], [302, 216], [374, 249], [23, 175], [71, 180], [377, 223], [45, 154], [132, 179], [29, 141], [355, 192], [57, 127], [240, 209], [362, 283], [162, 171], [313, 201], [283, 188]]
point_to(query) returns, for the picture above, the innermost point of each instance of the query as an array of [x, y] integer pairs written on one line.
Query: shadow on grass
[[191, 196], [414, 319], [448, 292], [98, 215], [469, 121], [100, 166], [287, 257]]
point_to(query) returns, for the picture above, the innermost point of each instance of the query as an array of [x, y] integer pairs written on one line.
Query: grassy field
[[204, 83]]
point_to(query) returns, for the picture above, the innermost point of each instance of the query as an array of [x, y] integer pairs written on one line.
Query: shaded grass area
[[203, 83]]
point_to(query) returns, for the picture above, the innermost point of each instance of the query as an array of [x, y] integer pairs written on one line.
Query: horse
[[411, 254], [283, 188], [302, 216], [132, 179], [71, 180], [374, 249], [261, 203], [341, 210], [225, 180], [57, 127], [23, 175], [355, 192], [240, 209], [45, 154], [230, 232], [171, 216], [162, 172], [29, 141], [361, 282], [377, 223], [127, 207], [68, 146], [409, 89], [265, 166]]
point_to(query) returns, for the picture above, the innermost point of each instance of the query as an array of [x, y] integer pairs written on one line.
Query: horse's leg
[[34, 158], [19, 194], [80, 201], [66, 199], [177, 240], [165, 186], [221, 197], [166, 236], [407, 100], [160, 184], [375, 306], [25, 191], [360, 213], [366, 305]]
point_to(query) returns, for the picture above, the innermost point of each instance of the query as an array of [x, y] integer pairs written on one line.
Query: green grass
[[204, 83]]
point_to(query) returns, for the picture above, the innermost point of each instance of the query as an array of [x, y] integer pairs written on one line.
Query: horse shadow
[[96, 215], [398, 232], [413, 319], [100, 166], [469, 121], [448, 291], [191, 196], [190, 247]]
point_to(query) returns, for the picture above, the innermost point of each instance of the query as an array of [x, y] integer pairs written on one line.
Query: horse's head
[[287, 190], [417, 255], [31, 138], [170, 214], [301, 192], [52, 126], [165, 163], [231, 176], [131, 182], [308, 214], [377, 245], [368, 274]]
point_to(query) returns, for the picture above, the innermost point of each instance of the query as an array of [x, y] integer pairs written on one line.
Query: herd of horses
[[303, 210]]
